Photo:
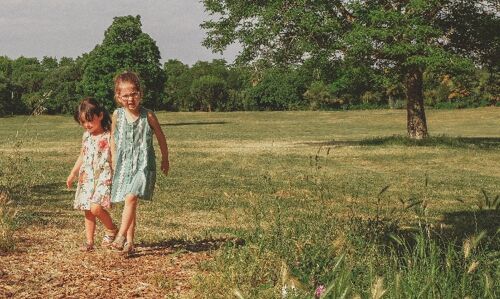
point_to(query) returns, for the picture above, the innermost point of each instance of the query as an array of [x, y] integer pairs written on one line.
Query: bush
[[279, 89], [319, 97], [373, 98]]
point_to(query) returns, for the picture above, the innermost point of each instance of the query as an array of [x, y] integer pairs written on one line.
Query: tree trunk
[[416, 122], [391, 102]]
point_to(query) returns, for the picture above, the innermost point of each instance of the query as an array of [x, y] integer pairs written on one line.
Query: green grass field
[[283, 202]]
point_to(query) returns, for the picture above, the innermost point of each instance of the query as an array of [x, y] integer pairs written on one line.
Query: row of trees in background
[[29, 83], [57, 85]]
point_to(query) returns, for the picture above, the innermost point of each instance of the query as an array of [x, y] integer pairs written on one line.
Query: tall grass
[[353, 258], [12, 186], [17, 177], [7, 223], [307, 250]]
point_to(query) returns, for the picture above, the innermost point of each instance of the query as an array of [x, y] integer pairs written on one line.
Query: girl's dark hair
[[89, 108]]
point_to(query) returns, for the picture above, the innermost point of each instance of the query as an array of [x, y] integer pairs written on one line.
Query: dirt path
[[47, 264]]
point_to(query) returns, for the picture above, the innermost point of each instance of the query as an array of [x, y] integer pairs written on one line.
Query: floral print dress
[[95, 175]]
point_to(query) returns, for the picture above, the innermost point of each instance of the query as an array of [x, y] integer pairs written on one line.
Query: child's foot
[[128, 249], [109, 237], [107, 240], [118, 243], [86, 247]]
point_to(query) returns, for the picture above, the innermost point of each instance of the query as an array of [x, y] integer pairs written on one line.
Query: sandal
[[118, 243], [109, 237], [86, 247], [128, 249]]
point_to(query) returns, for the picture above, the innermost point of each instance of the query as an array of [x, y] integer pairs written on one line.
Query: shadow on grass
[[465, 223], [173, 245], [439, 141], [193, 123], [43, 218], [458, 227], [23, 193], [43, 204], [52, 189]]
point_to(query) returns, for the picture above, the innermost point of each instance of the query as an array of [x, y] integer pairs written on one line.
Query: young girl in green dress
[[93, 168], [133, 155]]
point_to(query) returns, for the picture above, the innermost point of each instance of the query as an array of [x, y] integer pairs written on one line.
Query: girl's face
[[93, 126], [128, 96]]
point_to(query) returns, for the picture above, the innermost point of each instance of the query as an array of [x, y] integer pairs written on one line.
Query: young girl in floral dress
[[93, 168], [133, 155]]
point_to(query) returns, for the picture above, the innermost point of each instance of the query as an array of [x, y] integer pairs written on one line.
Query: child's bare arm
[[162, 141], [112, 139], [74, 172]]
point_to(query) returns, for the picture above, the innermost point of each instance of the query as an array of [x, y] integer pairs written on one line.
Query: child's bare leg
[[131, 232], [103, 216], [128, 215], [89, 227]]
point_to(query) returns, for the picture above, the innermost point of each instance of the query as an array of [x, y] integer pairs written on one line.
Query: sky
[[58, 28]]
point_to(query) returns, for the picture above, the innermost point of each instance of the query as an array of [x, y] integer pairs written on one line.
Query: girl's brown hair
[[90, 108], [129, 77]]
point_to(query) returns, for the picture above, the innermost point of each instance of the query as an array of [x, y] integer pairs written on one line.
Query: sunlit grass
[[301, 189]]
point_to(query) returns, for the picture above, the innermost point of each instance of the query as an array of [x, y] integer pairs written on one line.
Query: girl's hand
[[165, 166], [69, 180]]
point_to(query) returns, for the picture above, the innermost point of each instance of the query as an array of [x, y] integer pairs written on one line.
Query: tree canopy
[[125, 47], [401, 39]]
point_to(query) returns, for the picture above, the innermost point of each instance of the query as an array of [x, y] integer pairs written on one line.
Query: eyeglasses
[[133, 95]]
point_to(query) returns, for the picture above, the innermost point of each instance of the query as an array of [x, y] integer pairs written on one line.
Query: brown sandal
[[87, 247], [118, 243], [128, 249]]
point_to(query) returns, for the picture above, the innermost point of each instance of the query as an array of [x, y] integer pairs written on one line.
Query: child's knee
[[131, 199], [89, 215], [95, 209]]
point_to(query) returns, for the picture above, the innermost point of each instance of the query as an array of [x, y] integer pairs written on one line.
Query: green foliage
[[474, 27], [279, 89], [125, 47], [467, 90], [273, 30], [188, 88], [4, 95], [210, 93], [25, 81], [27, 78], [177, 83], [209, 88], [319, 97], [62, 84]]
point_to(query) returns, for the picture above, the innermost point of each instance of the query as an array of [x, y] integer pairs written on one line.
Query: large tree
[[26, 78], [399, 38], [177, 83], [61, 84], [125, 47]]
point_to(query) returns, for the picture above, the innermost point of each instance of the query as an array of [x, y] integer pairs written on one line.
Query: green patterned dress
[[135, 168]]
